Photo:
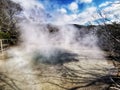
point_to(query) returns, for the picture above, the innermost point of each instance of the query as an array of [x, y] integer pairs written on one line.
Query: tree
[[8, 10]]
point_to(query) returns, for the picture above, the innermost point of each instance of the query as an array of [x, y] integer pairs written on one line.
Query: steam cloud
[[37, 38], [63, 44]]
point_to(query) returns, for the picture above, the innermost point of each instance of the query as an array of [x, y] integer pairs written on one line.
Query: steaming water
[[41, 49]]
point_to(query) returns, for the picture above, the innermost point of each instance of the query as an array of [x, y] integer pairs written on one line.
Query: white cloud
[[80, 18], [112, 12], [86, 16], [105, 4], [85, 1], [89, 14], [111, 8], [64, 19], [73, 6], [62, 10]]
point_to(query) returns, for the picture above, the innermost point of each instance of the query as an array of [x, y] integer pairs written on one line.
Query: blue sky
[[54, 5], [80, 11], [73, 11]]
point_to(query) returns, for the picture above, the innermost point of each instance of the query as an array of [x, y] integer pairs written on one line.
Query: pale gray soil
[[74, 75]]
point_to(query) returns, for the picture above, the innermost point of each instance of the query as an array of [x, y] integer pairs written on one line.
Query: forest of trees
[[8, 10]]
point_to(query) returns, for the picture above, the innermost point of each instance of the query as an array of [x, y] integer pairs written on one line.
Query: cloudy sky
[[77, 11]]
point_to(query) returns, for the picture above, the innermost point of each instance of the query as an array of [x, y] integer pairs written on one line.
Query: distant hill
[[108, 35]]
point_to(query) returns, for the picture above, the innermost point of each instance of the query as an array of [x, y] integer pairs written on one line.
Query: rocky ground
[[87, 73]]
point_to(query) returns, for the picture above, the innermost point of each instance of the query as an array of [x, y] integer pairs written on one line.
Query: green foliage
[[4, 35], [8, 10]]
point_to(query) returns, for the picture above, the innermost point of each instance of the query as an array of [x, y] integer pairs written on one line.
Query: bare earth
[[76, 75]]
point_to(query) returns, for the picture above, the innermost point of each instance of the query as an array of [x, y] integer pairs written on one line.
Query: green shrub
[[4, 35]]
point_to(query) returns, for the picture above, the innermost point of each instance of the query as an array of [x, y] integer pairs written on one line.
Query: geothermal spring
[[58, 60]]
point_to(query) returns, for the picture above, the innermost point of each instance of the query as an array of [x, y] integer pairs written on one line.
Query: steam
[[62, 44], [37, 38]]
